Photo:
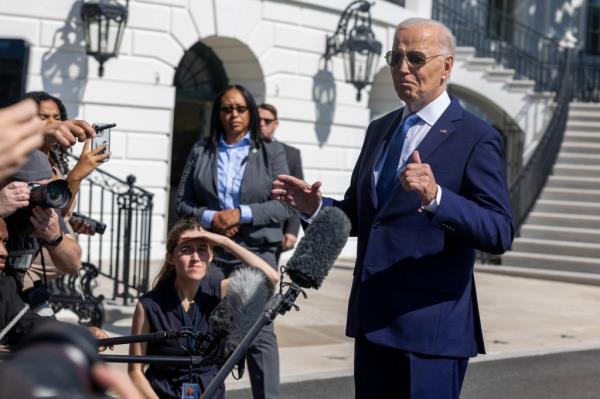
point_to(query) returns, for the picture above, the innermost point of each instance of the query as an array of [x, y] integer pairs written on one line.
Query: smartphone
[[102, 136]]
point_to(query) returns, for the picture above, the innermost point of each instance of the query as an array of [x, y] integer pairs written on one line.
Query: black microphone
[[320, 247], [249, 291]]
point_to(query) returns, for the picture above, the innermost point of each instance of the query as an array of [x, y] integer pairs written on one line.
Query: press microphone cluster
[[317, 251]]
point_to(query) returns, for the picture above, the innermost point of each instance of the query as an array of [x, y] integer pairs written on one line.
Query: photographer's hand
[[13, 196], [45, 223], [115, 381], [20, 133], [67, 133]]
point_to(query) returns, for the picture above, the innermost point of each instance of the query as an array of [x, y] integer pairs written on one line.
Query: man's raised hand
[[297, 193], [417, 176]]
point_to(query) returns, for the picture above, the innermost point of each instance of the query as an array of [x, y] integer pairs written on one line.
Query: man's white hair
[[447, 41]]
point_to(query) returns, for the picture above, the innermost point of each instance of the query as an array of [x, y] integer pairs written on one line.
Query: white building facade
[[160, 99]]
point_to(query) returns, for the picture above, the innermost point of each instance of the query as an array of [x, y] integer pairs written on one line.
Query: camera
[[54, 361], [102, 136], [95, 225], [55, 194]]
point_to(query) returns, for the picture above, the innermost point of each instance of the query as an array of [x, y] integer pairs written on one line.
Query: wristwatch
[[56, 241]]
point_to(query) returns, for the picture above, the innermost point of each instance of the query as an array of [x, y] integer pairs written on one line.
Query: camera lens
[[55, 194]]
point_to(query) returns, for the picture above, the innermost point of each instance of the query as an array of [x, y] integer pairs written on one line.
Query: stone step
[[567, 248], [577, 115], [499, 74], [560, 233], [520, 85], [567, 207], [563, 220], [578, 159], [581, 148], [582, 126], [577, 106], [480, 63], [541, 274], [581, 137], [567, 169], [573, 182], [462, 53], [553, 262], [568, 194]]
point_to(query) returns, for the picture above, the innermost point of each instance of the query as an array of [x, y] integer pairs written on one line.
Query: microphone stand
[[279, 304]]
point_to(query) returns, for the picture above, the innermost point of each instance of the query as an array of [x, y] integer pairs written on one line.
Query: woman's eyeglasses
[[414, 59], [240, 109], [266, 121]]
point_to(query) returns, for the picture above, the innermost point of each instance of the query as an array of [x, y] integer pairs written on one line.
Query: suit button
[[376, 224]]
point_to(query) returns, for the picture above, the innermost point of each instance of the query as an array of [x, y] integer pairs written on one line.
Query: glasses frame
[[404, 56], [240, 109], [267, 121]]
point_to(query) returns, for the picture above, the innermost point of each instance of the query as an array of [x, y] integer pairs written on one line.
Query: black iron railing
[[586, 78], [122, 253], [512, 44], [526, 188]]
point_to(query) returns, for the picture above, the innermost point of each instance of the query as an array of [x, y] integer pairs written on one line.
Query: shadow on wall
[[65, 65], [324, 96]]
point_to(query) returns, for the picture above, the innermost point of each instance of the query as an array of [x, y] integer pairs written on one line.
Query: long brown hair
[[167, 271]]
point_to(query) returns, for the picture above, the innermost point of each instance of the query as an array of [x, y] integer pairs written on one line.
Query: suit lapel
[[438, 133]]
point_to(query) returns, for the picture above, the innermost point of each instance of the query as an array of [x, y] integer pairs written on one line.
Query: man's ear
[[448, 64]]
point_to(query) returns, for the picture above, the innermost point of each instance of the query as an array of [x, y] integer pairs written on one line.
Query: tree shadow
[[324, 96], [65, 65]]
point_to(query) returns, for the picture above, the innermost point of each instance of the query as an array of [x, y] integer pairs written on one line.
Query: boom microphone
[[248, 293], [318, 250]]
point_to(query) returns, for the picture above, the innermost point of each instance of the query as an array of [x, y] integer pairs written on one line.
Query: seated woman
[[183, 296]]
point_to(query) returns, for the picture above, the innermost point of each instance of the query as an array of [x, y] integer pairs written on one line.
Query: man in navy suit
[[428, 189]]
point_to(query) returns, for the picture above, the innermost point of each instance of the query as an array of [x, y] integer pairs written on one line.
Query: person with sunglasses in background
[[428, 189], [268, 126], [226, 186]]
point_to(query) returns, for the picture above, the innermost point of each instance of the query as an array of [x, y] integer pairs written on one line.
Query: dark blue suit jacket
[[413, 285]]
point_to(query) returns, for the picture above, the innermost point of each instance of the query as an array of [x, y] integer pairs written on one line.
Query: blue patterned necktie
[[390, 166]]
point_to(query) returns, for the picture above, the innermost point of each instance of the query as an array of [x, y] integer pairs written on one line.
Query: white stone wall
[[274, 47]]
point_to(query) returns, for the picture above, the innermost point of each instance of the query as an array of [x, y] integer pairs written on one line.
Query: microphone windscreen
[[318, 250], [249, 291]]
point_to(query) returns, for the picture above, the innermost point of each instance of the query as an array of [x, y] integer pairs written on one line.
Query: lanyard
[[188, 324]]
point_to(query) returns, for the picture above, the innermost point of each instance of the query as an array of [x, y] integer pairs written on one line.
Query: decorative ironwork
[[74, 292], [355, 40], [104, 22], [122, 253]]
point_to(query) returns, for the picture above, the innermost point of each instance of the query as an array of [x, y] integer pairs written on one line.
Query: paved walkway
[[520, 317]]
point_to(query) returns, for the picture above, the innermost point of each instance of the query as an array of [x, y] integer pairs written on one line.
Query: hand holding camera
[[13, 196], [89, 160], [45, 223]]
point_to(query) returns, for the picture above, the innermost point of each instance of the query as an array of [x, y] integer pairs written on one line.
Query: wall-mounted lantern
[[355, 39], [103, 23]]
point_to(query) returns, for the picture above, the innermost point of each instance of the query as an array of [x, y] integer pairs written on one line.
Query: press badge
[[190, 391]]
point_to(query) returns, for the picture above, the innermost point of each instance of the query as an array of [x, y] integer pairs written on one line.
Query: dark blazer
[[413, 285], [197, 190], [292, 155]]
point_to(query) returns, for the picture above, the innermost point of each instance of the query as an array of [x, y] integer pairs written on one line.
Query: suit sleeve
[[480, 212], [292, 225], [186, 203], [272, 211], [350, 202]]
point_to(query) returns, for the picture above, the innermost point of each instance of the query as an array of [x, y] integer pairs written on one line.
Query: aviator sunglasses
[[414, 59]]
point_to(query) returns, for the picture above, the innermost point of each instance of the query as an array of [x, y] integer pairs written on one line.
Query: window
[[592, 41]]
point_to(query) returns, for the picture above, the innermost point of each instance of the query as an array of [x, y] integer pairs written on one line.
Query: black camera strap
[[44, 267]]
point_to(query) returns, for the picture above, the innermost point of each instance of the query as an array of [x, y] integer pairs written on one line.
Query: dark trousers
[[263, 356], [383, 372]]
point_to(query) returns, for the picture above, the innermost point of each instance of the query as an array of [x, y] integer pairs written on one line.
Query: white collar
[[432, 111]]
